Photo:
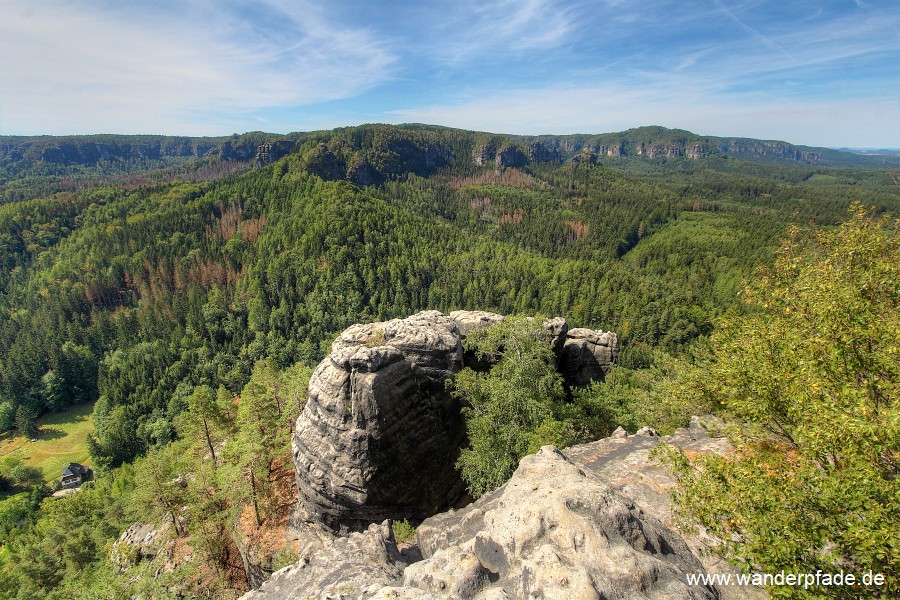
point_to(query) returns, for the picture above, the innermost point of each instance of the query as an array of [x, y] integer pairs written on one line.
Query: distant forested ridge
[[33, 166]]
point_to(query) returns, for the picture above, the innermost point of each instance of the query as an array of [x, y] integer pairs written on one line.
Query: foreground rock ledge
[[555, 530]]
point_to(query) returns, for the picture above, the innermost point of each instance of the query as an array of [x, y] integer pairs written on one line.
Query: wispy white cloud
[[475, 30], [731, 14], [214, 66], [830, 57], [147, 67]]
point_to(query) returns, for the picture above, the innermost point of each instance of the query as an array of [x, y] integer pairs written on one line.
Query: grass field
[[63, 439]]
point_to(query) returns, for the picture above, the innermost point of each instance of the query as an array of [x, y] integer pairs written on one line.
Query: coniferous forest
[[187, 287]]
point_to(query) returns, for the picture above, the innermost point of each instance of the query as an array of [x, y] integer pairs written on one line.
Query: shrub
[[509, 410], [812, 377], [403, 531]]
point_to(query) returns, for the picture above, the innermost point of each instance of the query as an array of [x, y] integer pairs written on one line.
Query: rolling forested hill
[[144, 273], [135, 293]]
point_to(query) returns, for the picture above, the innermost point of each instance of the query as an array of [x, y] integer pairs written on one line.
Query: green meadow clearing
[[62, 439]]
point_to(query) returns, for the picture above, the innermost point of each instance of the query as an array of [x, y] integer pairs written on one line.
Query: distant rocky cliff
[[90, 150], [659, 142], [373, 154], [271, 151]]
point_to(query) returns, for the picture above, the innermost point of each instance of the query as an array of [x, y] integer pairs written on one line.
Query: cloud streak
[[214, 67], [71, 63]]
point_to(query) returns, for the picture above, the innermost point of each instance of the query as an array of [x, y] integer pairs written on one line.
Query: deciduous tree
[[812, 376]]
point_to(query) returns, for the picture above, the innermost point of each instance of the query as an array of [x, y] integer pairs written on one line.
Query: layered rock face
[[271, 151], [377, 437], [380, 433], [586, 355], [514, 155]]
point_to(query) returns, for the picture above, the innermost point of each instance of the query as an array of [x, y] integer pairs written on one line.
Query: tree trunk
[[209, 441], [253, 497]]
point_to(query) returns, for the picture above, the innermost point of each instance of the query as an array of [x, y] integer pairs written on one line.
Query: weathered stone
[[558, 328], [586, 356], [588, 158], [510, 156], [674, 150], [139, 542], [470, 320], [378, 417], [404, 593], [554, 530], [624, 461], [271, 151], [257, 565], [695, 151], [539, 152], [344, 568], [593, 522], [482, 155]]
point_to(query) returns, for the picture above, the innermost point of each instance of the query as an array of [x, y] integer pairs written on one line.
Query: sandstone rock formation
[[553, 531], [559, 330], [482, 155], [141, 542], [271, 151], [695, 151], [510, 156], [588, 158], [470, 320], [624, 461], [539, 152], [379, 415], [586, 356], [349, 567], [467, 321]]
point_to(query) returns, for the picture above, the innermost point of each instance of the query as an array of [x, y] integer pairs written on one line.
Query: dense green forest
[[163, 288]]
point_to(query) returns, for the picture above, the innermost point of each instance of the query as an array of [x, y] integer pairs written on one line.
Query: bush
[[19, 475], [7, 416], [403, 531], [511, 409], [26, 421], [812, 377]]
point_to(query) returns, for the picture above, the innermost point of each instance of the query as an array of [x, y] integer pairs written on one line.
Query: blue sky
[[824, 73]]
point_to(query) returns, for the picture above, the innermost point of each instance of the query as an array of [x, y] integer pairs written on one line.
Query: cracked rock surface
[[592, 521]]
